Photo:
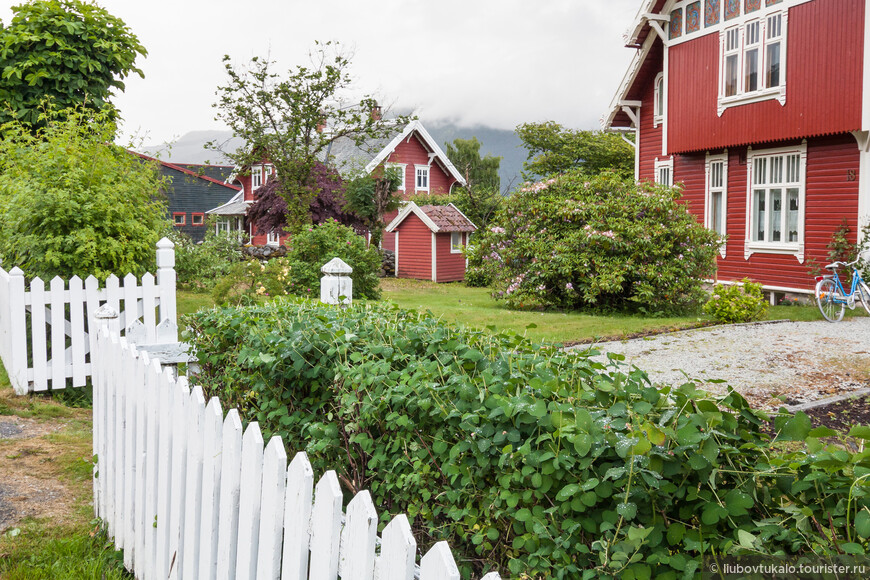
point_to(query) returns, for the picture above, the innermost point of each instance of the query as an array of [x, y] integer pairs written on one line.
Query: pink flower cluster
[[515, 285], [539, 186]]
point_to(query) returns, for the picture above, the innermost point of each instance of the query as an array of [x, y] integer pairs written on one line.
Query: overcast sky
[[490, 62]]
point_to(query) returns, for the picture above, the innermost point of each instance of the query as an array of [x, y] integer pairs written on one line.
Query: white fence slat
[[325, 528], [231, 475], [272, 510], [152, 466], [139, 441], [77, 331], [357, 555], [149, 303], [297, 518], [249, 502], [438, 564], [111, 436], [16, 366], [58, 336], [164, 488], [113, 299], [398, 551], [96, 435], [130, 395], [131, 301], [180, 401], [166, 280], [193, 492], [492, 576], [212, 432], [92, 297], [37, 336]]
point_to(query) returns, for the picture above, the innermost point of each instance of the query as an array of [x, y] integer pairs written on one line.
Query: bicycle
[[832, 297]]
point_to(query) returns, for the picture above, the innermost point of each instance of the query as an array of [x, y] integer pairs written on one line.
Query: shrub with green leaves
[[73, 203], [741, 302], [575, 241], [252, 278], [532, 460], [200, 266], [316, 245]]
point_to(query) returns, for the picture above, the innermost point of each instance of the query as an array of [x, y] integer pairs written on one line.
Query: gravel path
[[796, 361]]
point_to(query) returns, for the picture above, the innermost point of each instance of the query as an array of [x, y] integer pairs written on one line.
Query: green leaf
[[862, 523], [822, 432], [852, 548], [860, 431], [745, 539], [568, 491], [523, 515], [738, 503], [676, 531], [582, 444], [627, 510], [796, 428]]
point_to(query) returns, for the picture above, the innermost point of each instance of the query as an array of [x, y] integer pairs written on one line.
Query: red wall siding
[[830, 197], [451, 267], [411, 151], [824, 63], [650, 137], [415, 249], [388, 242]]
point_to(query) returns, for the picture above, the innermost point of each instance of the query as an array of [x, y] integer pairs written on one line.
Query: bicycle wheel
[[864, 292], [825, 291]]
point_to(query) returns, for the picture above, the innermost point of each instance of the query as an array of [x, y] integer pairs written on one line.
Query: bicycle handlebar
[[838, 264]]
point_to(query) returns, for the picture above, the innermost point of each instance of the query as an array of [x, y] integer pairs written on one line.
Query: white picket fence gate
[[186, 494], [45, 336]]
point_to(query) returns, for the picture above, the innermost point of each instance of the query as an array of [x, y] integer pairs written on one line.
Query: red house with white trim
[[759, 108], [429, 241], [424, 167]]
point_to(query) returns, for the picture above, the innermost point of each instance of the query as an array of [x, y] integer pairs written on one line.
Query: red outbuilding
[[760, 111], [429, 241]]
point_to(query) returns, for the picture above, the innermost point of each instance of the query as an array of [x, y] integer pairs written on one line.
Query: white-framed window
[[716, 195], [775, 201], [272, 238], [752, 59], [455, 242], [222, 225], [664, 171], [659, 100], [399, 168], [422, 178], [260, 174]]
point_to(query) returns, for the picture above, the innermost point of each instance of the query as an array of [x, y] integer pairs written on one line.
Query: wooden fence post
[[336, 286], [166, 282], [18, 324]]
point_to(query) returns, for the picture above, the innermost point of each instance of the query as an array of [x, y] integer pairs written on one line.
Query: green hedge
[[526, 458]]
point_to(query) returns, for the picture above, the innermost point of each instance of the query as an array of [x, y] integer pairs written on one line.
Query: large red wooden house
[[759, 108]]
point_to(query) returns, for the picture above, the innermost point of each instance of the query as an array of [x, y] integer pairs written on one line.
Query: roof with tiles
[[448, 218]]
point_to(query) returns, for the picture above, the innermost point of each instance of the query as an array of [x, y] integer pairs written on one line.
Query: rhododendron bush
[[575, 241]]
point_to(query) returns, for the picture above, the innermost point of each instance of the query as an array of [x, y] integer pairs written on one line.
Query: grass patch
[[41, 550], [188, 302], [474, 307]]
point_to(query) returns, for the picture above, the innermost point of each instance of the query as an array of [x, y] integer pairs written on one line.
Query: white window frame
[[659, 100], [417, 174], [401, 169], [222, 225], [766, 156], [660, 167], [455, 242], [273, 238], [716, 181], [260, 175], [766, 21]]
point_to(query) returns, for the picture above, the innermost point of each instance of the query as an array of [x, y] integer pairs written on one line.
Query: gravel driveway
[[797, 361]]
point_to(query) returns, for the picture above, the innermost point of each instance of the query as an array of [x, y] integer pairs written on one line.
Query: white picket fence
[[45, 336], [186, 494]]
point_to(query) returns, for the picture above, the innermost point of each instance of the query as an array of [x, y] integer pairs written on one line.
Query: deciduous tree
[[291, 120], [554, 149], [67, 51]]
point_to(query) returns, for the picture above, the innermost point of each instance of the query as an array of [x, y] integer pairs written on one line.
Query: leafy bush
[[73, 203], [576, 241], [742, 302], [251, 278], [202, 265], [313, 247], [527, 458]]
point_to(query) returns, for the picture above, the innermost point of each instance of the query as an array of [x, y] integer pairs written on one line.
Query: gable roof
[[438, 218], [197, 174], [219, 172], [428, 142]]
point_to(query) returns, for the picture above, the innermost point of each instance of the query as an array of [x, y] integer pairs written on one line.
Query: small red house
[[429, 241], [760, 110]]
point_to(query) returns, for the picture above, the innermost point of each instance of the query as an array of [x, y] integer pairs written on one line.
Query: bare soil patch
[[35, 457]]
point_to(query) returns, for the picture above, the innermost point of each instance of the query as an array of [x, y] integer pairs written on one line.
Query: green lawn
[[459, 304]]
